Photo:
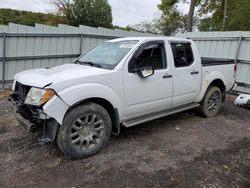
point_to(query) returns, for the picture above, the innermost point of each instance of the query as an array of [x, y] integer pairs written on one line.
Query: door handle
[[167, 76], [194, 72]]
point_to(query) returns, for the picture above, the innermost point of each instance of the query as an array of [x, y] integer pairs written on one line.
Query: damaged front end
[[31, 117]]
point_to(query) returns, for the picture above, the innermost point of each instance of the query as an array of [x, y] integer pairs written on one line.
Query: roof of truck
[[150, 38]]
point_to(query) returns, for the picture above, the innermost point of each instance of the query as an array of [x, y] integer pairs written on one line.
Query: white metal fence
[[229, 45], [24, 47]]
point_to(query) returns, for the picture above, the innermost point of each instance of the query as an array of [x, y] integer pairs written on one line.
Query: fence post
[[4, 60], [238, 50], [81, 41]]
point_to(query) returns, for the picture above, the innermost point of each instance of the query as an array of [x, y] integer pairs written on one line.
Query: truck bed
[[223, 67], [209, 61]]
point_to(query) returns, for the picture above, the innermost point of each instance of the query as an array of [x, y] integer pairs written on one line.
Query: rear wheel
[[211, 103], [85, 131]]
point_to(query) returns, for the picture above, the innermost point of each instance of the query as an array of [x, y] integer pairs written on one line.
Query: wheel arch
[[214, 78], [216, 82], [112, 111], [220, 84]]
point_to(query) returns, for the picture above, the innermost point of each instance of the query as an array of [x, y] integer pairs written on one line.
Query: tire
[[86, 129], [211, 102]]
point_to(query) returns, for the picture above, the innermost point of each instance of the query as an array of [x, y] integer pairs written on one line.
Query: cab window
[[183, 54], [149, 55]]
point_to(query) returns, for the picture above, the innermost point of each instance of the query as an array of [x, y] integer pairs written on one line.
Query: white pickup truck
[[122, 82]]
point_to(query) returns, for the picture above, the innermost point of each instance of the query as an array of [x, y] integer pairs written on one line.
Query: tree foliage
[[147, 27], [73, 12], [172, 20], [64, 9], [28, 18], [85, 12], [212, 15], [204, 15]]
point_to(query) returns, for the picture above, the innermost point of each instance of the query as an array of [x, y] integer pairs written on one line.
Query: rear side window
[[183, 54]]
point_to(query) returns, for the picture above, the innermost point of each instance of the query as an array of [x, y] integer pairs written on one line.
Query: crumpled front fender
[[56, 108]]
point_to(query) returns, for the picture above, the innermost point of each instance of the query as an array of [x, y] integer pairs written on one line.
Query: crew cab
[[121, 82]]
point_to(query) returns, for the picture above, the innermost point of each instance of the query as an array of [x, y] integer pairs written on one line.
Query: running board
[[156, 115]]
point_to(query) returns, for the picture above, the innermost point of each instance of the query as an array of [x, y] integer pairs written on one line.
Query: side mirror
[[145, 72]]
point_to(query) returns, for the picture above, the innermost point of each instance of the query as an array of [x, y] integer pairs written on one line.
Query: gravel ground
[[182, 150]]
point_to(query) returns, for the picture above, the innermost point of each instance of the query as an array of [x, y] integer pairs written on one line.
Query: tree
[[190, 16], [147, 27], [224, 15], [173, 23], [172, 20], [85, 12], [64, 8], [170, 11], [28, 18], [168, 25], [206, 15], [238, 15]]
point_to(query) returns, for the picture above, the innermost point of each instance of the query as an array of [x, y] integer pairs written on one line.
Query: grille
[[22, 91]]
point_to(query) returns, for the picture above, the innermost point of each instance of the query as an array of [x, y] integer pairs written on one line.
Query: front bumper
[[31, 118], [25, 115], [22, 121]]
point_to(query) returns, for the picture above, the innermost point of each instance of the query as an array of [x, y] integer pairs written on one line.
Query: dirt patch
[[183, 150]]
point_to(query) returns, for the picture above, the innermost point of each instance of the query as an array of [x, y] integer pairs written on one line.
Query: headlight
[[38, 96]]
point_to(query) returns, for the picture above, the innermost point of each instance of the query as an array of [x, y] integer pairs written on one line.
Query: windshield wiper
[[88, 63]]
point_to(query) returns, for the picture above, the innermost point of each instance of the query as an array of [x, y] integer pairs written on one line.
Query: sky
[[125, 12]]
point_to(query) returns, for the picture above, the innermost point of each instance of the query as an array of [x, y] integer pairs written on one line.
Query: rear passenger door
[[187, 74]]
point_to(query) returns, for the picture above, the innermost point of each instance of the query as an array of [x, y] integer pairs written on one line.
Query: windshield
[[107, 54]]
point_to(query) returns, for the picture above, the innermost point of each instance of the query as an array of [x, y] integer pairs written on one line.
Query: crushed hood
[[43, 77]]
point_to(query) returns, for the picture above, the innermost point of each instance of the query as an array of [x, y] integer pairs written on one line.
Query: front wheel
[[211, 103], [85, 130]]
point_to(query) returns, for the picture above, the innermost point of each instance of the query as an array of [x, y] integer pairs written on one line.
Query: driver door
[[143, 95]]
